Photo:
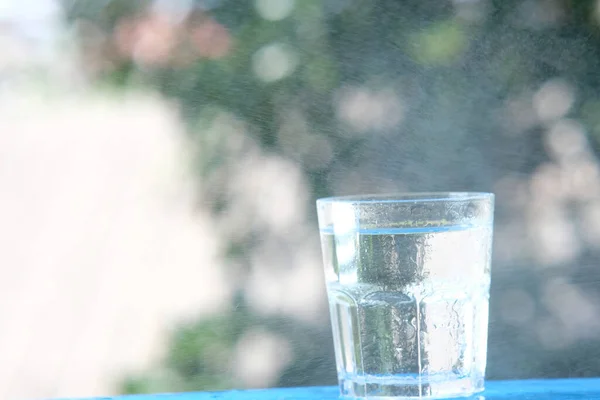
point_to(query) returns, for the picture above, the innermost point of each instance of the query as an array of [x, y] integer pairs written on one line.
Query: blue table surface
[[542, 389]]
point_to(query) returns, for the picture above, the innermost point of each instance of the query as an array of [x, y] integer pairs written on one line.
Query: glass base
[[409, 387]]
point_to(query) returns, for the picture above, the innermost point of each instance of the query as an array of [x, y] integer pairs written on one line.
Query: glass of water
[[408, 280]]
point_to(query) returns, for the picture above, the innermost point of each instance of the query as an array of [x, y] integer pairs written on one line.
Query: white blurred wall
[[101, 248]]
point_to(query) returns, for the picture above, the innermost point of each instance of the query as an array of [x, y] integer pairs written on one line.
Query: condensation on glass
[[408, 281]]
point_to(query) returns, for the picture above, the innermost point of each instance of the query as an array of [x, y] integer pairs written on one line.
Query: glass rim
[[407, 197]]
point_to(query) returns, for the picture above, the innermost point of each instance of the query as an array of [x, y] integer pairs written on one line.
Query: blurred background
[[159, 162]]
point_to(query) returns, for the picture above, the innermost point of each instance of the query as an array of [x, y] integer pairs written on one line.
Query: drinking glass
[[408, 280]]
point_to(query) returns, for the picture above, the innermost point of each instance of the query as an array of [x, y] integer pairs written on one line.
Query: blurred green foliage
[[454, 66]]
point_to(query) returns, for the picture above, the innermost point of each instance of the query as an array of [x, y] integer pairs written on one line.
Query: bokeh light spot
[[364, 109], [274, 62], [439, 44], [566, 139], [274, 10], [260, 357], [553, 100]]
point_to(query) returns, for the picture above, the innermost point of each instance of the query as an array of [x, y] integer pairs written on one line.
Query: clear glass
[[408, 279]]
